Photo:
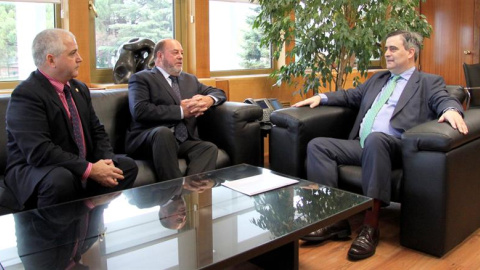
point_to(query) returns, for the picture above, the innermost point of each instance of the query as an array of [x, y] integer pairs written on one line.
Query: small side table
[[265, 129]]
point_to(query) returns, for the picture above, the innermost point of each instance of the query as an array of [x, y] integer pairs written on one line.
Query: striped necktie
[[369, 118], [181, 132], [76, 123]]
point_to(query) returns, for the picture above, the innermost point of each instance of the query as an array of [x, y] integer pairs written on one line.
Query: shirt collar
[[406, 74], [164, 73], [57, 85]]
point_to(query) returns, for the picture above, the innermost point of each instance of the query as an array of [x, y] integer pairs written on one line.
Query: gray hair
[[410, 40], [49, 41]]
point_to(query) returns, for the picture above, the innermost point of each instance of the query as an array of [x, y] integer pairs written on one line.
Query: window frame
[[243, 72], [59, 6], [105, 75]]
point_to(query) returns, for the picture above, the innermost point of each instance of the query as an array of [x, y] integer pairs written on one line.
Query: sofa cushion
[[146, 174], [350, 178], [111, 107]]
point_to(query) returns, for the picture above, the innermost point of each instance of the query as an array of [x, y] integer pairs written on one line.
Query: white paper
[[259, 183]]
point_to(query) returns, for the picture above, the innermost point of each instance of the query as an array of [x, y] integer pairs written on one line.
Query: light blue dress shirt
[[382, 120]]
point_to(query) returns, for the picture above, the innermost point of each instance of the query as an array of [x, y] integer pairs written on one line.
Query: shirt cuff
[[215, 100], [181, 112], [323, 98], [86, 174], [452, 108]]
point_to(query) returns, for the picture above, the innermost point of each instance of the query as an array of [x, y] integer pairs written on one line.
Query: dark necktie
[[76, 124], [181, 132]]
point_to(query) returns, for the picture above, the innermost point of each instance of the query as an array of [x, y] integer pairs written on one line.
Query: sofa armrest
[[293, 128], [434, 136], [233, 127], [440, 185]]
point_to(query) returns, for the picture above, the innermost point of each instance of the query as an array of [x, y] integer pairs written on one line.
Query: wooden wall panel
[[79, 17], [454, 31], [198, 38], [261, 86]]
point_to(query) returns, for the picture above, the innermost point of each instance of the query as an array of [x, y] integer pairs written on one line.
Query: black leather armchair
[[437, 187], [472, 81]]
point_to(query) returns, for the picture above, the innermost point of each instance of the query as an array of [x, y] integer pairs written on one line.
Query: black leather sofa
[[232, 126], [438, 187]]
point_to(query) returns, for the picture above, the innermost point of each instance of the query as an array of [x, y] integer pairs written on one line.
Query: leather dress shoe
[[339, 230], [365, 244]]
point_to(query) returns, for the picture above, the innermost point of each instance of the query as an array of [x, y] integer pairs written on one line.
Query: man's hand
[[199, 185], [196, 106], [312, 102], [455, 119], [105, 173]]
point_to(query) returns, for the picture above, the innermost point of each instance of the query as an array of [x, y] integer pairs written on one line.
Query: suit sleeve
[[143, 109], [30, 129], [219, 94], [351, 98], [439, 99]]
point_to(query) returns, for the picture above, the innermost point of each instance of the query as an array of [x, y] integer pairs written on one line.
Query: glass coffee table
[[188, 223]]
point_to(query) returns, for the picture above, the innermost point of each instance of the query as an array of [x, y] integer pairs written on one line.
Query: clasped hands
[[198, 186], [105, 173], [196, 105]]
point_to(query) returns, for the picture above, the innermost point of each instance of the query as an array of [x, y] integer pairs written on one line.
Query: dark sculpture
[[134, 55]]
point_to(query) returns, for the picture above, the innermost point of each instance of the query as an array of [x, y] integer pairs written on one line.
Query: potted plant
[[329, 38]]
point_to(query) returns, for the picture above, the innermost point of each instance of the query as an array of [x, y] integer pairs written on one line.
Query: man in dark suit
[[389, 103], [57, 148], [165, 103]]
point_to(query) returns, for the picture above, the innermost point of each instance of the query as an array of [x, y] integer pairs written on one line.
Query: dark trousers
[[164, 150], [381, 152], [60, 185]]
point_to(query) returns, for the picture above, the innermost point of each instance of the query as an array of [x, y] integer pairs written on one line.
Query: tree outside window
[[19, 24], [122, 20], [234, 44]]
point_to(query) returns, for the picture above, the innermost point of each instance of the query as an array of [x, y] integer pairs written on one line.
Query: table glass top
[[186, 223]]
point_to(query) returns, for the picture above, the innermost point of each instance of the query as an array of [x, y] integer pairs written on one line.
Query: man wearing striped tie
[[57, 148], [165, 103], [388, 104]]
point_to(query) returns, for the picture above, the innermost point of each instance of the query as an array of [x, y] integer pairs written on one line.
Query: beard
[[171, 69]]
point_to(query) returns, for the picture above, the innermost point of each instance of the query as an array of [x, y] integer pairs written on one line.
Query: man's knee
[[211, 146], [129, 168], [161, 133], [375, 140], [316, 145], [59, 179], [59, 185]]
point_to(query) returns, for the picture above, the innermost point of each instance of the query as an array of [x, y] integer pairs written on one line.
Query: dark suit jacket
[[423, 99], [40, 135], [153, 103]]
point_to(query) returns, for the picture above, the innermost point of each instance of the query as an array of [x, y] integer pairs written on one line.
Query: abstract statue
[[134, 55]]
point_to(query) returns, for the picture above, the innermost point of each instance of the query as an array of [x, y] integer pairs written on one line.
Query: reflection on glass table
[[187, 223]]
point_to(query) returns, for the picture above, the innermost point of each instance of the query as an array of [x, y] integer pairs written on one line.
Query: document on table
[[259, 183]]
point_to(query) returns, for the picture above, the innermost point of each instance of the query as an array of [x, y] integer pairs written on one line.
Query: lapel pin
[[76, 89]]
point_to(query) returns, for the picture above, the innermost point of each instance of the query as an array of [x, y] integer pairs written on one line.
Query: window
[[234, 45], [20, 22], [119, 21]]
